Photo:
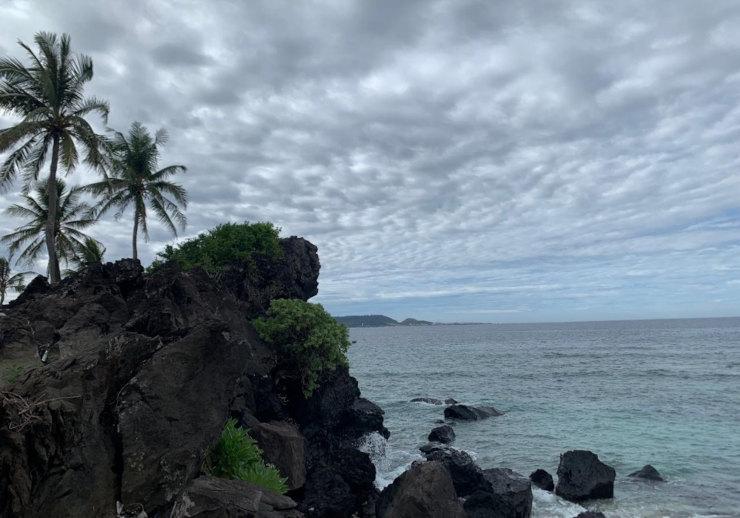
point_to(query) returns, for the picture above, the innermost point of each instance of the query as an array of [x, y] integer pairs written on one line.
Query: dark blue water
[[664, 392]]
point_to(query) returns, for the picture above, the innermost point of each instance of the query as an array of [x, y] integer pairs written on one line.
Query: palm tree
[[90, 252], [7, 281], [48, 97], [72, 217], [134, 180]]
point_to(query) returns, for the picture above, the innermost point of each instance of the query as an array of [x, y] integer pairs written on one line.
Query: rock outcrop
[[427, 400], [582, 476], [467, 477], [647, 472], [542, 479], [470, 413], [141, 372], [443, 434], [591, 514], [426, 489]]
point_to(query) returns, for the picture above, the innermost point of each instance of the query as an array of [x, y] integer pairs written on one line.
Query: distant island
[[379, 321]]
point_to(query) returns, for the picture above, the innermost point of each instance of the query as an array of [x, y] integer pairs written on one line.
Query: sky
[[452, 160]]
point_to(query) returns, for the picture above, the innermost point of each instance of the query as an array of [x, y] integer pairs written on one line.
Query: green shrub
[[223, 245], [308, 335], [237, 456]]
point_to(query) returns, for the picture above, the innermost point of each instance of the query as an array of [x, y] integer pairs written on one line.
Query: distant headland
[[379, 321]]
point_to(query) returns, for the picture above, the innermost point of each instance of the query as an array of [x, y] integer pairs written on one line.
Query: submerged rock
[[542, 479], [444, 434], [470, 413], [425, 490], [508, 495], [582, 476], [450, 401], [591, 514], [428, 400], [433, 446], [647, 472]]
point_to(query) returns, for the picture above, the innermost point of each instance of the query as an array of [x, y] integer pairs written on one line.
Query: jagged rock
[[591, 514], [428, 400], [283, 446], [450, 401], [444, 434], [143, 370], [470, 413], [542, 479], [210, 497], [467, 477], [425, 490], [509, 495], [430, 447], [647, 472], [582, 476]]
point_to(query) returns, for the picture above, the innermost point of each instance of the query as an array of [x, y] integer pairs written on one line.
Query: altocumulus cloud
[[453, 160]]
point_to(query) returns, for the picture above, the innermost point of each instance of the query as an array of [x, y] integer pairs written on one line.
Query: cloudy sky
[[452, 160]]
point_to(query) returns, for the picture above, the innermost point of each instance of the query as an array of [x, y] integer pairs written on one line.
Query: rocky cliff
[[122, 380]]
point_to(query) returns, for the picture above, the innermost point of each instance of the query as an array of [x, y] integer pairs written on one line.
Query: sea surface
[[663, 392]]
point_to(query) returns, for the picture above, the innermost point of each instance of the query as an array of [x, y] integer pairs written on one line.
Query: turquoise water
[[664, 392]]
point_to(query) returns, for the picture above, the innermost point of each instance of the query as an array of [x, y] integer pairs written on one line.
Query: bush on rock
[[236, 456], [309, 337]]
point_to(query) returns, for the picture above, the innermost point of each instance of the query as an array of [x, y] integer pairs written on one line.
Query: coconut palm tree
[[135, 181], [72, 217], [47, 94], [10, 281], [90, 252]]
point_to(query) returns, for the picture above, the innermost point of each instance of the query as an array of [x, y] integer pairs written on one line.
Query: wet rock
[[433, 446], [470, 413], [509, 495], [466, 475], [582, 476], [591, 514], [210, 497], [428, 400], [647, 472], [450, 401], [542, 479], [283, 446], [425, 490], [444, 434]]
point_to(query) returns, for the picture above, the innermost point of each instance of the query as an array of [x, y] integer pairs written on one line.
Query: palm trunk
[[51, 191], [136, 229]]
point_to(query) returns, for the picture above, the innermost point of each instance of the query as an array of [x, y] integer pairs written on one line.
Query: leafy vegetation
[[89, 252], [47, 94], [223, 245], [237, 456], [308, 335], [9, 280], [71, 218], [134, 180]]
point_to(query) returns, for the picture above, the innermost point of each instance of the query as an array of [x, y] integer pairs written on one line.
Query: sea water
[[660, 392]]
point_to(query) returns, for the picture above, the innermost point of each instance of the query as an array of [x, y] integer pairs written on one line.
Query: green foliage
[[223, 245], [309, 335], [237, 456]]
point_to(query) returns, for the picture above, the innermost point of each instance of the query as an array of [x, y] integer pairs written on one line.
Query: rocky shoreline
[[122, 380]]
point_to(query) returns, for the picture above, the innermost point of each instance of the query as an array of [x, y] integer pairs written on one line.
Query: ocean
[[660, 392]]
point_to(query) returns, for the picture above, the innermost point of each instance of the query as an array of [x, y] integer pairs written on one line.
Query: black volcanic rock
[[142, 372], [467, 477], [508, 495], [647, 472], [542, 479], [582, 476], [591, 514], [470, 413], [444, 434], [425, 490], [429, 400]]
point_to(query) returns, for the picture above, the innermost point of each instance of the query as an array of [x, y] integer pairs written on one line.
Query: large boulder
[[582, 476], [283, 446], [509, 495], [647, 472], [470, 413], [210, 497], [542, 479], [466, 475], [444, 434], [425, 490]]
